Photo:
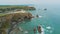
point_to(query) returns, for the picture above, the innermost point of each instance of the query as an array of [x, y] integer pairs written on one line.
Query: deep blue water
[[50, 19]]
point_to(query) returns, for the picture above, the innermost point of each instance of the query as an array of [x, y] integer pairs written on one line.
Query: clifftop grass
[[8, 8], [17, 7]]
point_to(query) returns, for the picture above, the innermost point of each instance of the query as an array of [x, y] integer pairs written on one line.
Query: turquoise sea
[[50, 20]]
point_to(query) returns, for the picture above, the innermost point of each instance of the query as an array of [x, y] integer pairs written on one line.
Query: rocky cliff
[[11, 19]]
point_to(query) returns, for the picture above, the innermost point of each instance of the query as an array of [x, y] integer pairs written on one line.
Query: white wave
[[40, 16], [26, 32], [48, 27], [42, 30]]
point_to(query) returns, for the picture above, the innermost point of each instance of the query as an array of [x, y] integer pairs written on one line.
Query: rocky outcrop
[[11, 19]]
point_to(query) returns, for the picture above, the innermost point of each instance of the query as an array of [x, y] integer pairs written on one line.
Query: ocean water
[[49, 20]]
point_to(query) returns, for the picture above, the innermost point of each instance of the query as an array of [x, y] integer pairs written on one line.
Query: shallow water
[[49, 20]]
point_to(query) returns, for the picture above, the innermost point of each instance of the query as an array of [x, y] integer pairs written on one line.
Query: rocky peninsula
[[9, 21]]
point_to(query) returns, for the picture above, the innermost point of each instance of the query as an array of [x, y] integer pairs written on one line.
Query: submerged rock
[[45, 9]]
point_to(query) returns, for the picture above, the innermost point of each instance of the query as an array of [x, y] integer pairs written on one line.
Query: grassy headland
[[4, 8], [7, 19]]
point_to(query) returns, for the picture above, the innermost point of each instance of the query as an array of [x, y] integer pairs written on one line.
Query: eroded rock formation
[[9, 21]]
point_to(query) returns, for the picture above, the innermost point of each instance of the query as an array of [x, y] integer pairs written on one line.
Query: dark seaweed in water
[[45, 9]]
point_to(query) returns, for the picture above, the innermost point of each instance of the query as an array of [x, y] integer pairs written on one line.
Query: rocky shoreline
[[10, 20]]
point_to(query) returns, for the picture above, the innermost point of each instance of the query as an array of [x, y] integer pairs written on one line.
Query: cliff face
[[11, 19]]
